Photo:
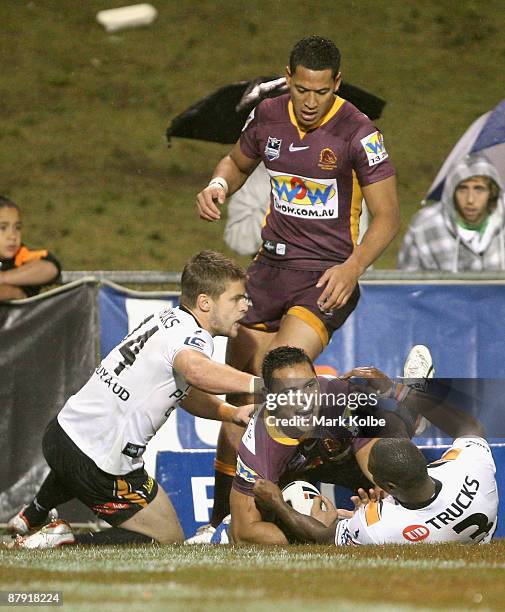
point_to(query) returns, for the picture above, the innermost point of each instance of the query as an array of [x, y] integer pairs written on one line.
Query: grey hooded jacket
[[433, 242]]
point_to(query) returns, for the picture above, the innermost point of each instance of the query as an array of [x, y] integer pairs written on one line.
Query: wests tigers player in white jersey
[[95, 445], [454, 499]]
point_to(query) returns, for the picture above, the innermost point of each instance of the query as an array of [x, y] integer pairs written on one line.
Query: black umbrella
[[220, 116]]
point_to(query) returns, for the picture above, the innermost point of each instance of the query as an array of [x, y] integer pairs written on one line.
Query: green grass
[[83, 113], [296, 578]]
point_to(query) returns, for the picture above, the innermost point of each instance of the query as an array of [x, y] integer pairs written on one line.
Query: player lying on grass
[[454, 499], [272, 448], [94, 446]]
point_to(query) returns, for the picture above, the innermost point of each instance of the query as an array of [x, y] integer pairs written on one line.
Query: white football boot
[[418, 367], [19, 524], [53, 535], [203, 535]]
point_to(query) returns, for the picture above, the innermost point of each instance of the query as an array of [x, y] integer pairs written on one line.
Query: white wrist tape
[[397, 391], [219, 181], [252, 384]]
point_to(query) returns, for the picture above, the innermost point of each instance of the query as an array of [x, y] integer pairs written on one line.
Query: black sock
[[51, 494], [115, 535], [222, 490]]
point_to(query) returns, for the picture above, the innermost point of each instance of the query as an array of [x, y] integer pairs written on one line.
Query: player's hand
[[376, 379], [207, 202], [267, 494], [362, 498], [323, 510], [242, 415], [340, 281], [365, 497]]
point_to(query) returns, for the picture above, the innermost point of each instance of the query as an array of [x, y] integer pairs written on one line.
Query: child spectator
[[465, 231], [22, 271]]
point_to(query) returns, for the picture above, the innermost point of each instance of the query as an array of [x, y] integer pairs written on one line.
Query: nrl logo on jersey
[[273, 148], [374, 148]]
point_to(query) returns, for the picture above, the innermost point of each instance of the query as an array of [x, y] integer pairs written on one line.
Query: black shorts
[[275, 292], [113, 499]]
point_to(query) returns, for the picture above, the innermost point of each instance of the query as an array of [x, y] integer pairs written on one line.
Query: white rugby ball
[[300, 495]]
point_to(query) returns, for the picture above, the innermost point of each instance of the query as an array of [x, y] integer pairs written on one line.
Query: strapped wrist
[[219, 181], [255, 380], [397, 391]]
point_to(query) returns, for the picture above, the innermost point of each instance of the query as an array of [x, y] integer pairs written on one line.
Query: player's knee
[[170, 535]]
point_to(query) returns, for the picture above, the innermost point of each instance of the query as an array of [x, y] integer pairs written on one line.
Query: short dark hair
[[6, 203], [208, 272], [315, 53], [494, 191], [397, 460], [282, 357]]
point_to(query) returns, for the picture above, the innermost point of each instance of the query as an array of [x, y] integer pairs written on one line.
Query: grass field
[[423, 577], [83, 113]]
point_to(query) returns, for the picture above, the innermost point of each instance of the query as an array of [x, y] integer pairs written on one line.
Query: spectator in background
[[465, 231], [22, 272]]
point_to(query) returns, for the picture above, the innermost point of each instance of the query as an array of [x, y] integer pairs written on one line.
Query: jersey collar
[[337, 104], [187, 310], [276, 435], [426, 503]]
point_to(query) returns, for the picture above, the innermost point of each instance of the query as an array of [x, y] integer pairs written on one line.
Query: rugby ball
[[300, 495]]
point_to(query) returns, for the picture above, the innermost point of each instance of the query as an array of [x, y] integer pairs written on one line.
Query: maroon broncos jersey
[[315, 178], [267, 452]]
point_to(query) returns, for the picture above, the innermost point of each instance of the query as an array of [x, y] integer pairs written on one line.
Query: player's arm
[[207, 406], [247, 525], [362, 455], [382, 201], [217, 378], [455, 423], [11, 292], [40, 272], [305, 528], [230, 174], [340, 280]]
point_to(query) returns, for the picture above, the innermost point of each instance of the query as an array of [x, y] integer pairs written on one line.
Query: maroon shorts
[[275, 292]]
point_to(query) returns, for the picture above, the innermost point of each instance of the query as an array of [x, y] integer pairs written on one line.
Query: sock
[[115, 535], [51, 494], [222, 489]]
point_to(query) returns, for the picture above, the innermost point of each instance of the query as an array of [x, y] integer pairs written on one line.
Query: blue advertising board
[[462, 324]]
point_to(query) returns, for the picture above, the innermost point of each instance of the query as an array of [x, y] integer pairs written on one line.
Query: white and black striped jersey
[[133, 391], [463, 510]]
